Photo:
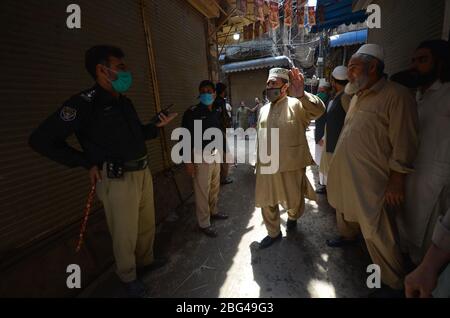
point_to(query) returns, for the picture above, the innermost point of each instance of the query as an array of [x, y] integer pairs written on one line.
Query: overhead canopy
[[335, 13], [209, 9], [349, 38], [277, 61]]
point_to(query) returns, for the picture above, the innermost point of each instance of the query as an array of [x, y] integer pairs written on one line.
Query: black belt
[[136, 165], [116, 168]]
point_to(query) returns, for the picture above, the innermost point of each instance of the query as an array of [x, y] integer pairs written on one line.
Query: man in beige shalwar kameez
[[288, 185], [375, 152]]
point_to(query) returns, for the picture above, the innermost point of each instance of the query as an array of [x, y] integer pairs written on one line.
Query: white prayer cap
[[373, 50], [278, 73], [323, 83], [340, 73]]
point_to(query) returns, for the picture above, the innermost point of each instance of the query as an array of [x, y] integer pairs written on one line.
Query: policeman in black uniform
[[112, 139], [220, 105], [206, 176]]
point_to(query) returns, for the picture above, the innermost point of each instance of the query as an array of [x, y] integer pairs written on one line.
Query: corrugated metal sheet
[[276, 61], [45, 66], [337, 13], [178, 33], [404, 24]]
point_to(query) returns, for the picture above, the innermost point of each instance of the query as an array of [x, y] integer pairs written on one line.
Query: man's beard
[[357, 85], [427, 78]]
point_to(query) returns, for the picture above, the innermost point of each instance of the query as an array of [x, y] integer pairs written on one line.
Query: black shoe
[[136, 289], [268, 241], [321, 190], [157, 263], [219, 216], [209, 231], [341, 242], [226, 181], [291, 225], [387, 292]]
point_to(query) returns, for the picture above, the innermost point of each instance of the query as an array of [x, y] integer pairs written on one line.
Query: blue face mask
[[123, 82], [206, 99]]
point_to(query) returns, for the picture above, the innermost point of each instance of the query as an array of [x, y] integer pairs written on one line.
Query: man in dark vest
[[324, 93], [337, 112]]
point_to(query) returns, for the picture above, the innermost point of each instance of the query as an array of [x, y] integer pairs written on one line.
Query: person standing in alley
[[428, 187], [206, 174], [336, 112], [373, 156], [112, 139], [254, 113], [220, 104], [288, 185], [242, 116], [324, 93]]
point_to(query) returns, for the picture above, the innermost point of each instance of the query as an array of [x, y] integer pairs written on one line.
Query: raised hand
[[297, 85]]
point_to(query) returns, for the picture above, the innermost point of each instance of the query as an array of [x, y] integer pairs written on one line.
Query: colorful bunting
[[288, 13], [274, 16], [311, 16]]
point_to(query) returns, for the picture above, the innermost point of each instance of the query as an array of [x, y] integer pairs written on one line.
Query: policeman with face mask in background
[[112, 139], [205, 174]]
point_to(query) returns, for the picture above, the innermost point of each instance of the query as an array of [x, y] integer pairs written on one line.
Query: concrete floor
[[231, 266]]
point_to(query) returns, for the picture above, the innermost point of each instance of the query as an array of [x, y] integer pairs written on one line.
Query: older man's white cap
[[340, 73], [373, 50], [278, 73], [323, 83]]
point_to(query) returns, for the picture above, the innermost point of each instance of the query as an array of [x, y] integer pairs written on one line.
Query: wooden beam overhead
[[222, 23], [219, 7], [208, 8]]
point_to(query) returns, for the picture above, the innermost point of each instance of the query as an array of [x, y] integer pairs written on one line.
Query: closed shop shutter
[[404, 24], [44, 61], [178, 33]]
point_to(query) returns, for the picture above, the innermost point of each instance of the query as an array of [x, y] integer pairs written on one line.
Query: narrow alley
[[107, 105], [232, 266]]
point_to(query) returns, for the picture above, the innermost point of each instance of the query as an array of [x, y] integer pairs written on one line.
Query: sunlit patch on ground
[[321, 289]]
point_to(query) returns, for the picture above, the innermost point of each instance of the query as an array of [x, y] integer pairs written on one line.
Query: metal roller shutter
[[404, 24], [45, 66]]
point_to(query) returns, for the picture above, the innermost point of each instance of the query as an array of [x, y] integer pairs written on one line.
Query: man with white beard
[[375, 152]]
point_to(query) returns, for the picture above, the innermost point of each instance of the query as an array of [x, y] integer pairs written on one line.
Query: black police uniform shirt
[[107, 128], [221, 105], [209, 118]]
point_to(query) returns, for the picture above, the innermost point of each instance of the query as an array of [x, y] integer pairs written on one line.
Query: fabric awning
[[349, 38], [335, 13], [267, 62]]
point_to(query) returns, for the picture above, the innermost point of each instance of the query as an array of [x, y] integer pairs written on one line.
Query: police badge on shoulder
[[68, 114]]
